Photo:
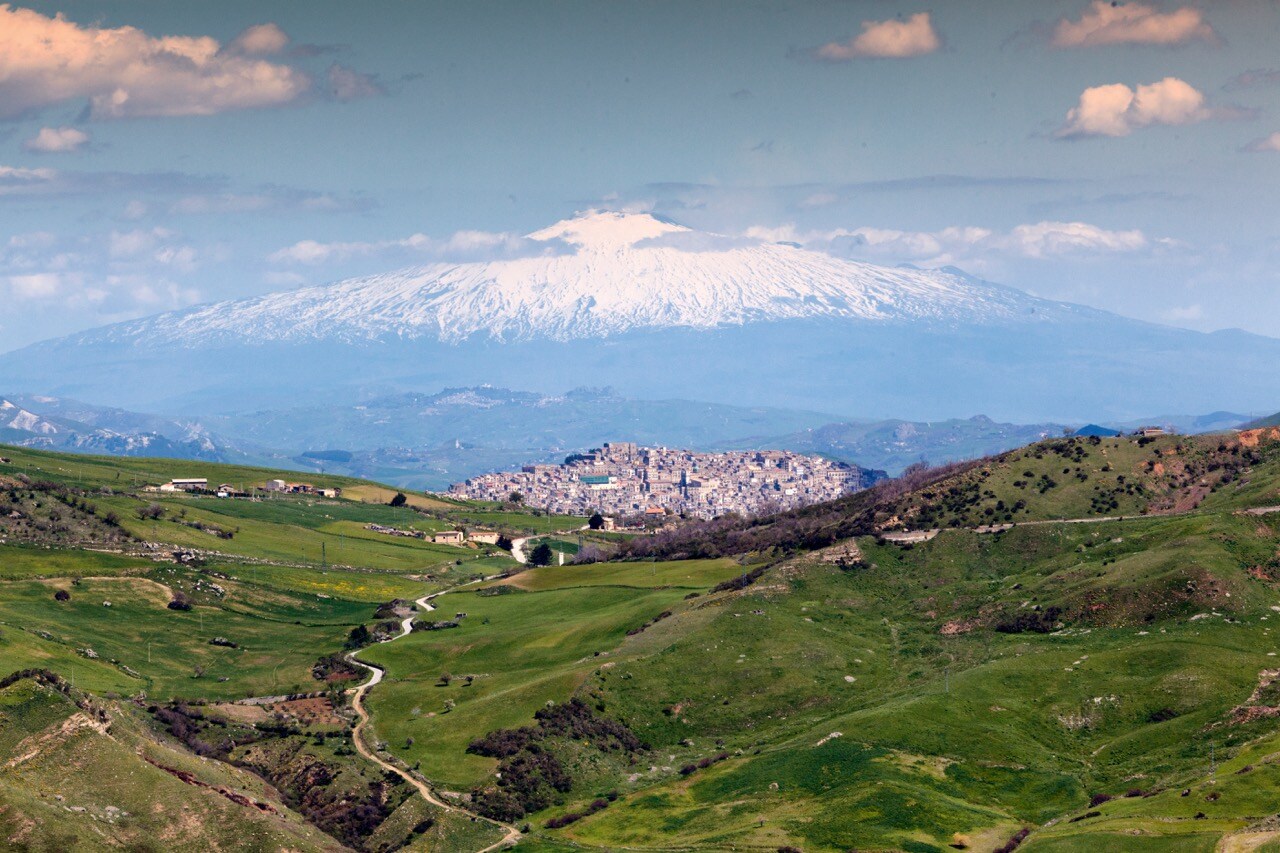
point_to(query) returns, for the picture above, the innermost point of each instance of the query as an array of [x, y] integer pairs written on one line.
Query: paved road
[[512, 835]]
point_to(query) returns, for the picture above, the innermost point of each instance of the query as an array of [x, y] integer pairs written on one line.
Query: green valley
[[1080, 654]]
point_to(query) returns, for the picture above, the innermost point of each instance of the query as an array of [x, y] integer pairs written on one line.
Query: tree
[[540, 556], [62, 595], [150, 512], [596, 521], [399, 499], [358, 637], [516, 498]]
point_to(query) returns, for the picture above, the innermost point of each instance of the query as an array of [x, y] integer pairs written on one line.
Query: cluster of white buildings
[[623, 479], [200, 485]]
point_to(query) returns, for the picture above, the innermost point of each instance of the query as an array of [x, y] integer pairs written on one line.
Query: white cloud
[[124, 73], [964, 244], [16, 179], [52, 140], [347, 84], [260, 40], [270, 198], [1184, 314], [461, 246], [1132, 23], [818, 199], [129, 244], [1266, 143], [221, 203], [110, 276], [35, 286], [890, 39], [1117, 110], [178, 257], [32, 240], [315, 252], [1058, 239]]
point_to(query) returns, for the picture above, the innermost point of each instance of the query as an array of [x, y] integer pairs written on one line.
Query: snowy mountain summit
[[597, 275], [662, 312]]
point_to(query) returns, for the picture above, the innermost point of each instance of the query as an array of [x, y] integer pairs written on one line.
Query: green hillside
[[1260, 423], [1057, 672]]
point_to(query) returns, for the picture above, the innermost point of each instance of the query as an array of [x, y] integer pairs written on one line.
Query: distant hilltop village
[[625, 480]]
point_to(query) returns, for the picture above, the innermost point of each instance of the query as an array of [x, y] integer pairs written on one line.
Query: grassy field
[[90, 790], [855, 720], [685, 574], [938, 696], [25, 561], [164, 647], [524, 648]]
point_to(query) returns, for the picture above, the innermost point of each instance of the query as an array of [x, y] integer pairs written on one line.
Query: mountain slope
[[53, 423], [661, 312], [595, 276]]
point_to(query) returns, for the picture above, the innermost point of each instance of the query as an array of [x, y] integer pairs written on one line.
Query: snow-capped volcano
[[660, 311], [593, 276]]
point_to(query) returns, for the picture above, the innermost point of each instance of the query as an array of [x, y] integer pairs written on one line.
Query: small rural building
[[484, 537], [186, 484], [275, 485], [449, 537]]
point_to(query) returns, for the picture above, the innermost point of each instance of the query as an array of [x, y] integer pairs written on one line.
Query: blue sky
[[1123, 156]]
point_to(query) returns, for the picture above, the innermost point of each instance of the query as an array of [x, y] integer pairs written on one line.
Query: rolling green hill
[[1085, 634]]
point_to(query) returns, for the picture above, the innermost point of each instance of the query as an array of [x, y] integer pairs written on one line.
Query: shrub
[[1013, 843], [1033, 621], [530, 776], [564, 820]]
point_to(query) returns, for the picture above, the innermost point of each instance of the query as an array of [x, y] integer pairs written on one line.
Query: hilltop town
[[625, 480]]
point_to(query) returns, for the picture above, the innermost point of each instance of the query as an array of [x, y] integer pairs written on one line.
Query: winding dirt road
[[517, 545], [512, 835]]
